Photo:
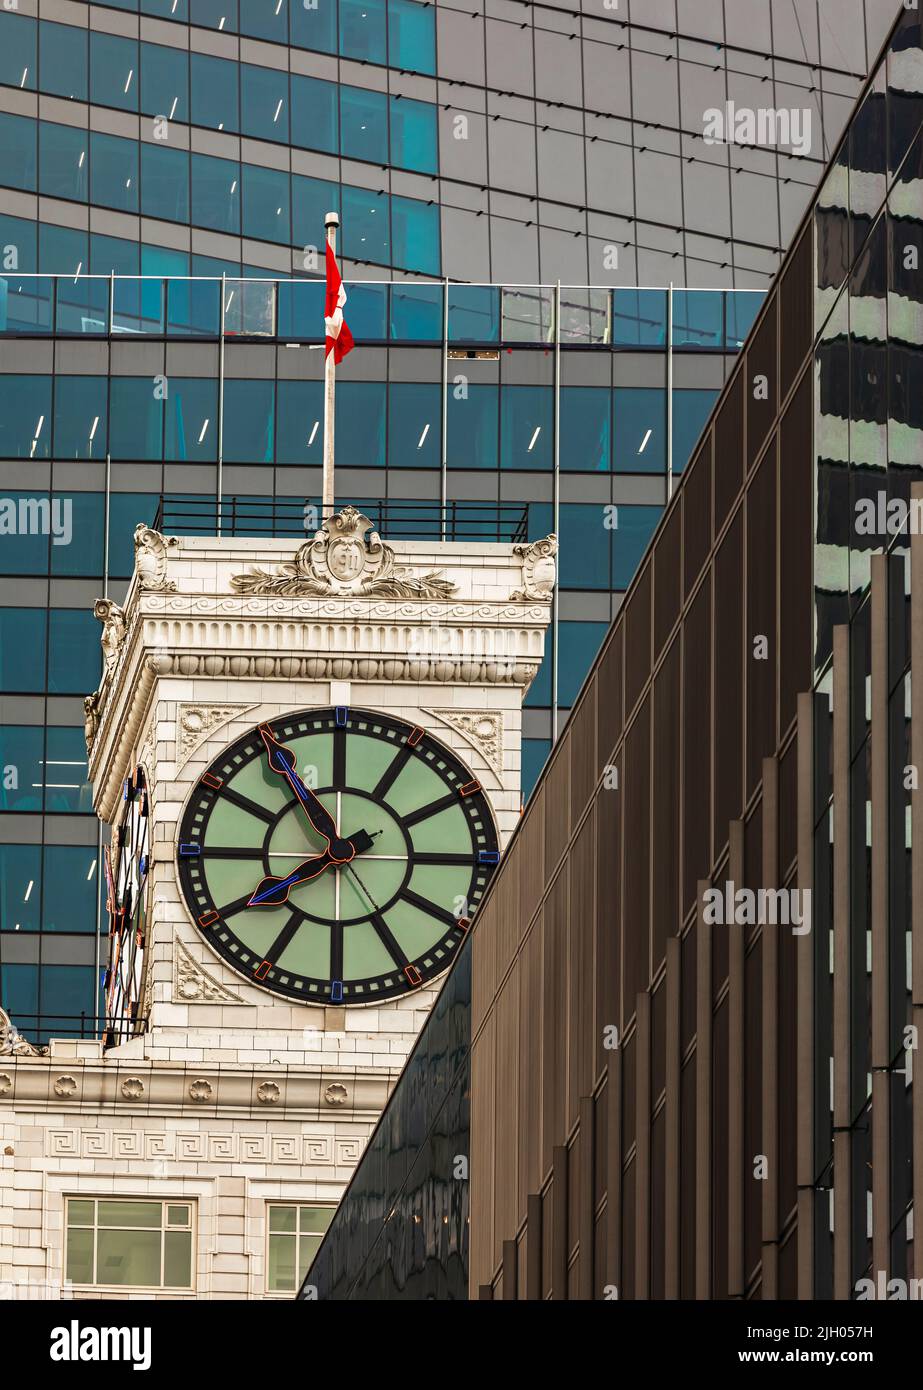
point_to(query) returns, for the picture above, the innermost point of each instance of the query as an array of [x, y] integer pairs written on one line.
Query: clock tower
[[306, 760]]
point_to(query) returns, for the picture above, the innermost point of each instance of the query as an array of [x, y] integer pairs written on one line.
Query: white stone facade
[[234, 1097]]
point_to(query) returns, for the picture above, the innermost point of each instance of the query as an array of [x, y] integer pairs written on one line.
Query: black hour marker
[[391, 772], [432, 809], [253, 808], [430, 908]]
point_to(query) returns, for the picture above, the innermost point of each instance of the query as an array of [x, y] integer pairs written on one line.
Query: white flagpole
[[331, 222]]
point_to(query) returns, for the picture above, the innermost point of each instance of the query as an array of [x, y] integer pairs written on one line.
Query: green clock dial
[[336, 855]]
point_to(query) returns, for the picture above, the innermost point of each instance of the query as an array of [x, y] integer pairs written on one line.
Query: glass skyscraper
[[165, 167]]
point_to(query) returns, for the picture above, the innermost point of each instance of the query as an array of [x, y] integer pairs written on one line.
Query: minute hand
[[282, 761]]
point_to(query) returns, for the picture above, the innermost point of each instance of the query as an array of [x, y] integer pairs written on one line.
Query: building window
[[133, 1244], [295, 1234]]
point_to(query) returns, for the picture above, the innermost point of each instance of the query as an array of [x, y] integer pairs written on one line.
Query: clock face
[[336, 856], [126, 868]]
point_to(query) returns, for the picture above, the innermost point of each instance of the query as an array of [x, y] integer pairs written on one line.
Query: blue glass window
[[300, 436], [113, 172], [362, 31], [314, 28], [61, 251], [269, 21], [525, 427], [312, 199], [414, 425], [165, 183], [114, 77], [25, 526], [164, 82], [578, 644], [63, 171], [629, 539], [415, 235], [74, 653], [20, 865], [19, 992], [135, 418], [416, 313], [414, 142], [113, 255], [80, 417], [216, 193], [126, 509], [640, 430], [690, 411], [67, 992], [698, 318], [360, 424], [17, 51], [214, 14], [266, 214], [584, 546], [62, 52], [472, 416], [21, 750], [264, 103], [365, 226], [364, 124], [412, 35], [25, 417], [741, 309], [367, 311], [301, 310], [191, 420], [22, 649], [249, 421], [585, 428], [67, 789], [474, 314], [534, 756], [314, 114], [639, 318], [68, 888], [77, 537], [214, 93], [17, 152]]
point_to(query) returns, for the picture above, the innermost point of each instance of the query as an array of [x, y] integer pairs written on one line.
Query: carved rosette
[[192, 984], [196, 723], [539, 570], [151, 559], [346, 558]]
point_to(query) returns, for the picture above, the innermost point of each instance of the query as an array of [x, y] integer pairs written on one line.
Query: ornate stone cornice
[[482, 729], [13, 1044], [138, 1086], [196, 723], [345, 558]]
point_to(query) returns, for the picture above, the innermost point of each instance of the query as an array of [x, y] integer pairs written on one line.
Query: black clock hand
[[272, 892], [282, 761]]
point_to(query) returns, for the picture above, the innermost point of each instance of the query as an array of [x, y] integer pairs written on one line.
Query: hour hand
[[282, 760], [272, 892]]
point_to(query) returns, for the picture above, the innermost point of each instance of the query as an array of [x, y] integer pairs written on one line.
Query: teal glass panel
[[215, 14], [63, 55], [164, 82], [472, 423], [474, 314], [165, 183], [266, 198], [114, 75], [360, 424], [741, 309], [299, 422], [526, 427], [579, 644], [22, 649], [214, 93], [18, 44], [69, 881], [264, 103], [266, 21], [77, 539], [216, 193], [249, 421], [416, 313], [113, 172], [74, 659], [415, 235], [414, 425], [585, 557], [314, 114], [629, 540], [414, 140], [20, 905], [640, 430], [17, 152], [135, 419], [366, 237], [126, 509], [25, 420], [314, 27], [63, 169], [191, 420], [698, 318], [23, 750], [585, 428], [639, 318], [364, 124], [412, 36], [311, 200], [691, 409], [363, 31]]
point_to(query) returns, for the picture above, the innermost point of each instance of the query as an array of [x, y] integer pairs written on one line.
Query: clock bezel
[[198, 901]]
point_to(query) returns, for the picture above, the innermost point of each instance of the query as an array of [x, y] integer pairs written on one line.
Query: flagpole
[[331, 222]]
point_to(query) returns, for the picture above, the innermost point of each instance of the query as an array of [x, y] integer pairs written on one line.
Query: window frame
[[276, 1205], [163, 1203]]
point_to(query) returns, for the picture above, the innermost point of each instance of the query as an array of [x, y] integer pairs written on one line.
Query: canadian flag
[[339, 339]]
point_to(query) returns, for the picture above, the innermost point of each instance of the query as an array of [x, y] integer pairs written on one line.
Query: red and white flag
[[339, 339]]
